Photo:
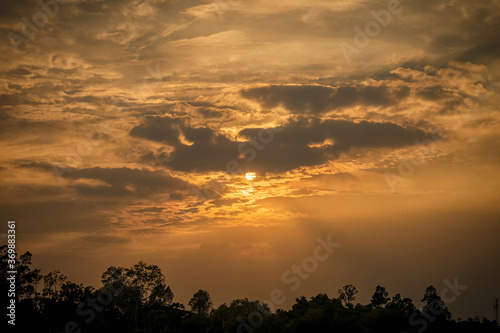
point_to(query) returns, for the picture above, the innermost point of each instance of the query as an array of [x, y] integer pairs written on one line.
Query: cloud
[[159, 129], [434, 93], [178, 85], [481, 53], [118, 182], [320, 99], [125, 181], [303, 142]]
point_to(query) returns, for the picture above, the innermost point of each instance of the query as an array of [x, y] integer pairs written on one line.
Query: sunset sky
[[128, 129]]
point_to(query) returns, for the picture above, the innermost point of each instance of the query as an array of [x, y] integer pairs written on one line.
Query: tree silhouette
[[379, 298], [405, 305], [74, 293], [139, 301], [201, 302], [348, 294], [141, 286], [435, 309], [52, 283]]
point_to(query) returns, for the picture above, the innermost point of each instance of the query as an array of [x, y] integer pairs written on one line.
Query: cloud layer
[[126, 128]]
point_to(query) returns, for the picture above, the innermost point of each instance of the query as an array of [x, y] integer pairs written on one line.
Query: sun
[[250, 175]]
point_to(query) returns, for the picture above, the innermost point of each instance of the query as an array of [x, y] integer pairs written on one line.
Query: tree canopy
[[137, 299]]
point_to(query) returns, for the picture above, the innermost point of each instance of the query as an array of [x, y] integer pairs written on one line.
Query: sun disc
[[250, 175]]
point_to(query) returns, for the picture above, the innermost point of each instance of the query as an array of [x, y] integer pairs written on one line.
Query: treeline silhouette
[[137, 299]]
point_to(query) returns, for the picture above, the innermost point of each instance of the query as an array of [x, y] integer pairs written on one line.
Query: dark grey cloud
[[202, 103], [125, 181], [211, 105], [482, 53], [12, 11], [28, 131], [434, 93], [119, 182], [320, 99], [209, 113], [169, 130], [176, 196], [297, 144], [19, 72], [345, 134], [146, 210], [474, 36], [40, 165], [159, 129], [294, 145], [11, 99], [209, 110], [32, 190], [203, 155], [88, 99]]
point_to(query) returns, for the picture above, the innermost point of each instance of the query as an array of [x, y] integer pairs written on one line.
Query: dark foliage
[[137, 299]]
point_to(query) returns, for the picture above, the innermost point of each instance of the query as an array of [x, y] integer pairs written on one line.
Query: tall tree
[[379, 298], [435, 309], [201, 302], [74, 293], [52, 284], [140, 286], [348, 294], [403, 304]]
